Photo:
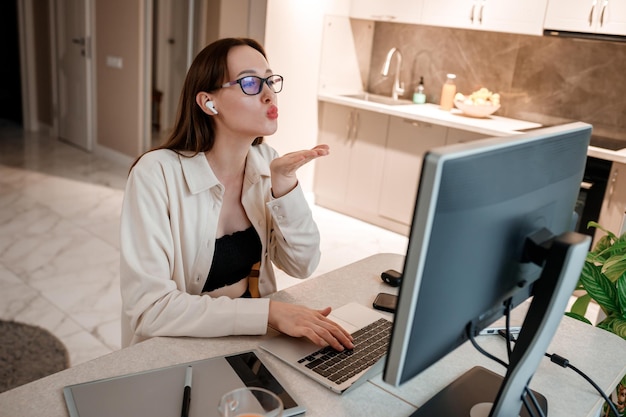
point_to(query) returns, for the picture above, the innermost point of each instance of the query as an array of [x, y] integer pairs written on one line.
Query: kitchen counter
[[430, 113], [607, 154]]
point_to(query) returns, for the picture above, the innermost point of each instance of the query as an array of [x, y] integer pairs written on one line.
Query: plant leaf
[[614, 266], [578, 317], [609, 234], [620, 286], [604, 242], [599, 287], [580, 305], [619, 245], [618, 326]]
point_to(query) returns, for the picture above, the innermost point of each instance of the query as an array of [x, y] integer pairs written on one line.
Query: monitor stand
[[472, 395], [562, 259]]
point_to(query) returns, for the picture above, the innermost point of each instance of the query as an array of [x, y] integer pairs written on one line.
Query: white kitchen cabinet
[[449, 13], [462, 136], [372, 172], [401, 11], [407, 143], [612, 214], [587, 16], [512, 16], [348, 180]]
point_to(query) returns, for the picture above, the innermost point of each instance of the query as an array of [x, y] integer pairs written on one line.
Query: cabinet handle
[[593, 9], [357, 122], [480, 13], [612, 188], [384, 17], [415, 123], [602, 12], [586, 185], [350, 125], [471, 16]]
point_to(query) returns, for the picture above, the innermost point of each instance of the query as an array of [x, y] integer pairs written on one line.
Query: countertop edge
[[398, 111], [446, 119], [613, 156]]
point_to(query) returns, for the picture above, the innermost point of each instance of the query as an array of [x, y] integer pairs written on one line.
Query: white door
[[172, 44], [75, 119]]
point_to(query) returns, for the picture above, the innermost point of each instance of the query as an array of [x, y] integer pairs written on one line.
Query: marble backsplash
[[543, 79]]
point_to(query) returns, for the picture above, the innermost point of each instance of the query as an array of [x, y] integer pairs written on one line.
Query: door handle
[[85, 46]]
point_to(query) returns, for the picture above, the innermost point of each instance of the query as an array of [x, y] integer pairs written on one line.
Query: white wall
[[293, 42]]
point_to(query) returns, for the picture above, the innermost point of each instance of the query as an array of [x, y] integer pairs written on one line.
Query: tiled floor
[[59, 250]]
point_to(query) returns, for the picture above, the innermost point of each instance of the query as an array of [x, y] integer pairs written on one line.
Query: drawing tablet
[[159, 392]]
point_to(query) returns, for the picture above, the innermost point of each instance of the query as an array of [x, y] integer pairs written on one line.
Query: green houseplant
[[603, 280]]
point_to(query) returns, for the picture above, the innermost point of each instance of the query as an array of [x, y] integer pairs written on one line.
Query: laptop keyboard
[[370, 344]]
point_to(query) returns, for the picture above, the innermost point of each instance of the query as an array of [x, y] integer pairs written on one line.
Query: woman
[[214, 207]]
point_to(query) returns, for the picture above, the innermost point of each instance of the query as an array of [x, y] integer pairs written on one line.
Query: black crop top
[[233, 258]]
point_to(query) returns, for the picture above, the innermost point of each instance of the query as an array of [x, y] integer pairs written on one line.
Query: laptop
[[159, 392], [326, 365]]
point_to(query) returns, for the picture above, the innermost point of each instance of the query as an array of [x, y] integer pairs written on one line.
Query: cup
[[250, 402]]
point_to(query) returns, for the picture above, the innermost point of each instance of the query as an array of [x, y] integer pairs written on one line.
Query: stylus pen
[[187, 392]]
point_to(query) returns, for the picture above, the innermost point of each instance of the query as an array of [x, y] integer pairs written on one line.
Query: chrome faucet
[[398, 87]]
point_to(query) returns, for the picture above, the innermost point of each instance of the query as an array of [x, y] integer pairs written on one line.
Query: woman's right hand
[[283, 169], [297, 321]]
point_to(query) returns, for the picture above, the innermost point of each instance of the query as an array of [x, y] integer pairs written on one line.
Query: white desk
[[596, 352]]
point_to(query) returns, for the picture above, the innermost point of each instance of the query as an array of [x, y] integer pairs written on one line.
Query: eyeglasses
[[252, 85]]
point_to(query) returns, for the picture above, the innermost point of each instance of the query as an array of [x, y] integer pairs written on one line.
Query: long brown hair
[[194, 131]]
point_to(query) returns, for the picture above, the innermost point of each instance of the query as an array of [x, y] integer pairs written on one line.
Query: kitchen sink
[[375, 98]]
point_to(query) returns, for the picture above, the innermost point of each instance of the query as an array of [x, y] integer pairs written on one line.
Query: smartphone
[[386, 302]]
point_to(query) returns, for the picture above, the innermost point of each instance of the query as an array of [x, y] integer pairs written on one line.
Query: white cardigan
[[168, 226]]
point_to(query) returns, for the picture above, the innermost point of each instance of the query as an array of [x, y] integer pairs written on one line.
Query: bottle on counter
[[447, 93], [419, 96]]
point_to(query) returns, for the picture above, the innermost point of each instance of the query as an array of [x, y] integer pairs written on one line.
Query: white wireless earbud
[[209, 105]]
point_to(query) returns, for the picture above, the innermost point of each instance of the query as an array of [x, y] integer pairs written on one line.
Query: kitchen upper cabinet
[[449, 13], [613, 212], [401, 11], [407, 143], [589, 16], [349, 178], [512, 16]]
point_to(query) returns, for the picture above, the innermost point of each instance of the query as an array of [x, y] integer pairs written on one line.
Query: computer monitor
[[484, 210]]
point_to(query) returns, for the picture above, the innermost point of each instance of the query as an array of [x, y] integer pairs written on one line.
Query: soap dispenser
[[419, 96], [447, 93]]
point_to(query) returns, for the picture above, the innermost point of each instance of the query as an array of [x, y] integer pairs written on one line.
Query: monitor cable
[[471, 333], [564, 363], [554, 358]]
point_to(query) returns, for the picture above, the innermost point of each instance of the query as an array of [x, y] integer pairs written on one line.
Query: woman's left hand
[[299, 321], [284, 168]]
